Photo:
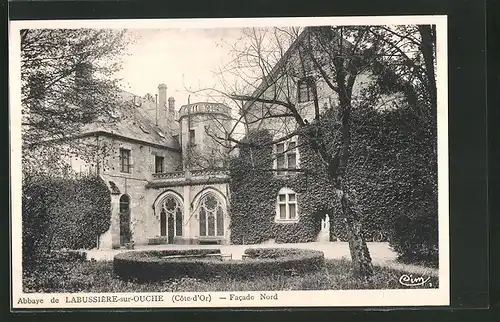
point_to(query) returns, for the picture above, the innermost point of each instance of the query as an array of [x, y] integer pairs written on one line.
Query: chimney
[[162, 105], [171, 105]]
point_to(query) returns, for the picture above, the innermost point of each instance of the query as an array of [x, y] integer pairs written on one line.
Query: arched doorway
[[125, 233], [211, 216], [171, 218]]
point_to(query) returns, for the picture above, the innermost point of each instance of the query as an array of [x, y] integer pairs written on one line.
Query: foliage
[[254, 190], [394, 178], [375, 146], [153, 265], [98, 277], [62, 213], [67, 80]]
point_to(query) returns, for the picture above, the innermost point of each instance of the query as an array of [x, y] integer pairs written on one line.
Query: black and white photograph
[[229, 162]]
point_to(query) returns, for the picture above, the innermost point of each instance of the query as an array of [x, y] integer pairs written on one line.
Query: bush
[[271, 252], [60, 271], [415, 239], [62, 213], [69, 256], [393, 177], [152, 266]]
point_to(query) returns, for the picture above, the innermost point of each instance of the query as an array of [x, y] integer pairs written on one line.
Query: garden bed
[[210, 263]]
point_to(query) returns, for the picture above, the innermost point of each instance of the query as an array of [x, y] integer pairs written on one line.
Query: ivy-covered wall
[[254, 190], [391, 176]]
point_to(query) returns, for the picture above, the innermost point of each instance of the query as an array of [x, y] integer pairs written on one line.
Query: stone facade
[[175, 202], [185, 199]]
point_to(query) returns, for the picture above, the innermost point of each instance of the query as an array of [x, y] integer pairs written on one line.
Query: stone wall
[[133, 184]]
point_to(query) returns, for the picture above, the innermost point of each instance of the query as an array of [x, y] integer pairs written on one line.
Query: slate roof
[[131, 122]]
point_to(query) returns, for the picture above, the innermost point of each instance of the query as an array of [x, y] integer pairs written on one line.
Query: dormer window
[[115, 114], [144, 129], [286, 157], [306, 87]]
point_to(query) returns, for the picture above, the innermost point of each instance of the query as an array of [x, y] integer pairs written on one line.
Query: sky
[[183, 59]]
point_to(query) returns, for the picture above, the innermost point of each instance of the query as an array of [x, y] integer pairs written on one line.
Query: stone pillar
[[115, 221], [187, 218]]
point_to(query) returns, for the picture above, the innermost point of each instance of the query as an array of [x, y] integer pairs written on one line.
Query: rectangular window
[[286, 205], [291, 156], [306, 89], [159, 164], [291, 206], [125, 160], [280, 157], [286, 157]]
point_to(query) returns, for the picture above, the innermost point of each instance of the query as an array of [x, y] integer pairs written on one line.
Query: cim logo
[[409, 280]]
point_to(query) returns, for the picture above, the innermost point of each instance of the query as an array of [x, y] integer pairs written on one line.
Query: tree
[[272, 62], [405, 62], [67, 81]]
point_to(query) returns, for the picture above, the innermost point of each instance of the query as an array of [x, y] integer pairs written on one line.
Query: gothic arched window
[[172, 208], [211, 216]]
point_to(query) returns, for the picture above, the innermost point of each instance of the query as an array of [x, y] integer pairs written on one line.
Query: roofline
[[263, 87], [105, 133], [114, 135], [203, 113]]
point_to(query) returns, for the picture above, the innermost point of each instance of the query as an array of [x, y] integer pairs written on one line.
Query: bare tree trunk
[[427, 49], [360, 255]]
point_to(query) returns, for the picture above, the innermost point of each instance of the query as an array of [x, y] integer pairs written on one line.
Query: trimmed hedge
[[62, 213], [152, 266]]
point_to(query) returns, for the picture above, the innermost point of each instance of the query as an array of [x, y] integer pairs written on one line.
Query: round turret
[[203, 129]]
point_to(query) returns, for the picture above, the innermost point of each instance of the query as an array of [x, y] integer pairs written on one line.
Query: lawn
[[96, 277]]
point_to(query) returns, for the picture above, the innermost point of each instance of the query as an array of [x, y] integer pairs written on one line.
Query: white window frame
[[287, 192], [284, 170]]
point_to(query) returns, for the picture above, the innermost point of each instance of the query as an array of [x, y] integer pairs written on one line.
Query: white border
[[347, 298]]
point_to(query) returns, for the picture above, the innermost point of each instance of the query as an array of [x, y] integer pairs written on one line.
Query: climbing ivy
[[391, 176], [254, 189]]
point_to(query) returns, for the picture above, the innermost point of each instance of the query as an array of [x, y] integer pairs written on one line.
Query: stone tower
[[203, 127]]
